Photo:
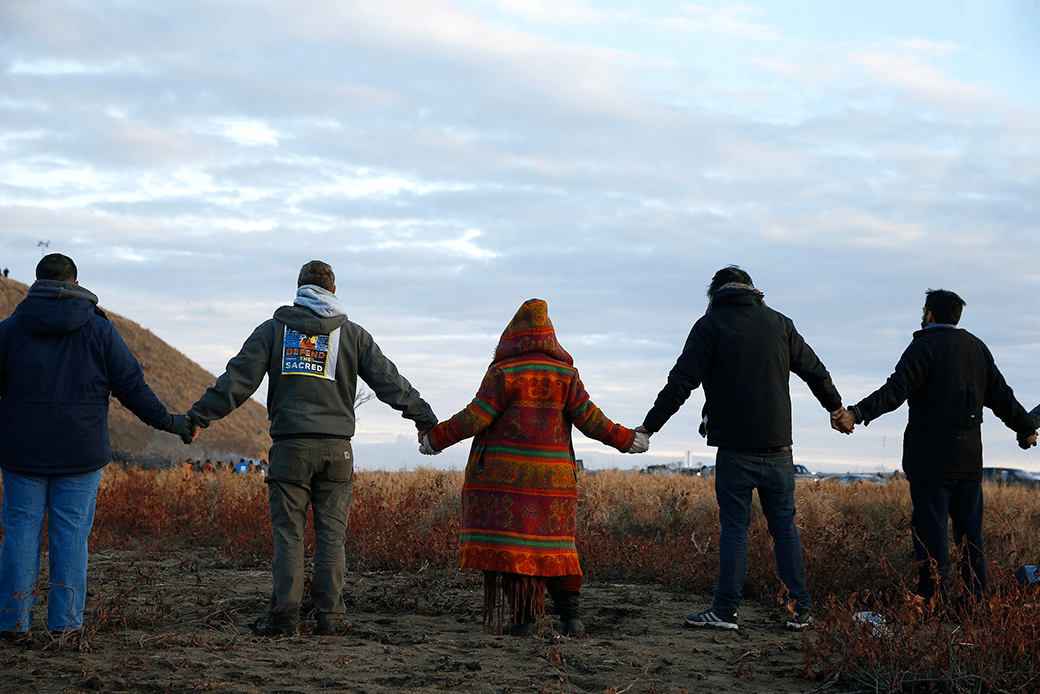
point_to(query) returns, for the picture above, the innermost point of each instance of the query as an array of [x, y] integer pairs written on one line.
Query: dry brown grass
[[630, 526], [661, 529]]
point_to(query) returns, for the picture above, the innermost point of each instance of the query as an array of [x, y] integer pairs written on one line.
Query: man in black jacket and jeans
[[744, 353], [947, 375]]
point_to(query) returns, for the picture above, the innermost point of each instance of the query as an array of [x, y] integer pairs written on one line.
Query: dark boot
[[524, 602], [528, 625], [568, 605]]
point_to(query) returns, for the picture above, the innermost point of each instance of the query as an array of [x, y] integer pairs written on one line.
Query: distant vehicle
[[1012, 476], [856, 478], [802, 471]]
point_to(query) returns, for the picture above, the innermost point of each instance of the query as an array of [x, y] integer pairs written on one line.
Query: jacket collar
[[933, 328]]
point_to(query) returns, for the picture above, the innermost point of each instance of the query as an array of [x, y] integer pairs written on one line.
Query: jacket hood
[[531, 331], [736, 294], [315, 311], [53, 308]]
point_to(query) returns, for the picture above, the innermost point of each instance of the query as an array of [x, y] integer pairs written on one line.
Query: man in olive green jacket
[[312, 356]]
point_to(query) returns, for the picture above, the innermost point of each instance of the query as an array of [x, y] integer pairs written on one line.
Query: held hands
[[426, 448], [1027, 442], [182, 426], [842, 420], [641, 443]]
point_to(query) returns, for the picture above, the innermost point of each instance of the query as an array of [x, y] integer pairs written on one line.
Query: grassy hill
[[178, 382]]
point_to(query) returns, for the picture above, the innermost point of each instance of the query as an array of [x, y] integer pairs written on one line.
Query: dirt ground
[[178, 624]]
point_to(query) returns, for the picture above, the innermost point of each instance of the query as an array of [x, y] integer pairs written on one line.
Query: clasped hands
[[1026, 442], [842, 420], [183, 426]]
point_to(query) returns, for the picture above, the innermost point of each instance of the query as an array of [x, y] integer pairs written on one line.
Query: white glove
[[641, 444], [425, 448]]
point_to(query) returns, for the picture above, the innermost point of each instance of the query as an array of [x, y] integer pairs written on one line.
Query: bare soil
[[179, 623]]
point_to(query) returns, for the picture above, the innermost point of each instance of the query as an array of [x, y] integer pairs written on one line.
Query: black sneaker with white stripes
[[718, 619], [801, 618]]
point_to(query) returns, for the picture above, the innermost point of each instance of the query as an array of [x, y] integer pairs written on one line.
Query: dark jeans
[[934, 503], [737, 473]]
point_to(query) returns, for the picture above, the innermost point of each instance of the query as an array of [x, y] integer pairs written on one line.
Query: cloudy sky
[[453, 158]]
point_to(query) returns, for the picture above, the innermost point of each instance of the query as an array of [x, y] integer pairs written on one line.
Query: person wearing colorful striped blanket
[[520, 496]]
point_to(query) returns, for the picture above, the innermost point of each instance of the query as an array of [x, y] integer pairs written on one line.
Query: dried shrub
[[405, 520], [980, 647]]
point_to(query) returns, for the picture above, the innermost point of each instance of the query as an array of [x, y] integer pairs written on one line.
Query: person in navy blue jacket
[[60, 359]]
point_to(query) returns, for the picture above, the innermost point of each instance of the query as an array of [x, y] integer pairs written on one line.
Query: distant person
[[520, 495], [947, 375], [5, 273], [60, 360], [242, 468], [312, 356], [743, 353]]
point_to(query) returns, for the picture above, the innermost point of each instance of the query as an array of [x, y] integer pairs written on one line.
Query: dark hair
[[944, 305], [728, 275], [319, 273], [56, 267]]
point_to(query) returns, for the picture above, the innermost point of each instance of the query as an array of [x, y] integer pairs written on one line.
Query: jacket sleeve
[[126, 381], [591, 421], [1035, 414], [911, 370], [489, 402], [696, 360], [808, 367], [242, 376], [389, 385], [1001, 399]]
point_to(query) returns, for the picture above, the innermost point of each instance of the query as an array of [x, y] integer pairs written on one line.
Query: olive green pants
[[319, 473]]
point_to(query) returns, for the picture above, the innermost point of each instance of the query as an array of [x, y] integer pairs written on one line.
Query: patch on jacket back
[[310, 355]]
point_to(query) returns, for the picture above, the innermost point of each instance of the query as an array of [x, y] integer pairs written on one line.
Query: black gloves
[[180, 425]]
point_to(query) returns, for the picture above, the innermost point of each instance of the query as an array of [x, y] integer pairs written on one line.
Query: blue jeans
[[935, 503], [69, 501], [737, 473]]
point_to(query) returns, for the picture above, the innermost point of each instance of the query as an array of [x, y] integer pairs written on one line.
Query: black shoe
[[717, 619], [14, 636], [801, 618], [331, 625], [268, 626]]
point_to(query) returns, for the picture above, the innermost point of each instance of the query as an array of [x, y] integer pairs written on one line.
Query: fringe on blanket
[[509, 597]]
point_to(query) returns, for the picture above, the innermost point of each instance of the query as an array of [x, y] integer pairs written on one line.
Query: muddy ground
[[180, 624]]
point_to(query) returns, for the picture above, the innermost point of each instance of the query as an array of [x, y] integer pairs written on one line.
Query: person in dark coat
[[743, 353], [60, 360], [946, 375]]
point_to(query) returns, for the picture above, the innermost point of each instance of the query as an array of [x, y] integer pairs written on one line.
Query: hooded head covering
[[531, 331]]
